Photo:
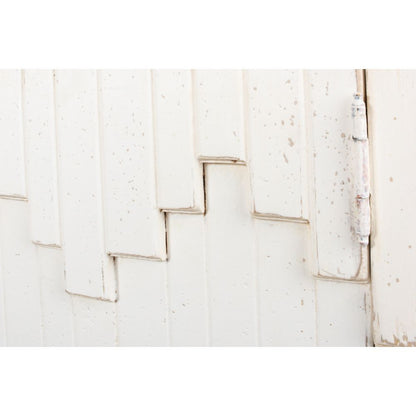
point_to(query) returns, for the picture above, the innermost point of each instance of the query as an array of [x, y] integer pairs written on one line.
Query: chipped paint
[[361, 171], [133, 151]]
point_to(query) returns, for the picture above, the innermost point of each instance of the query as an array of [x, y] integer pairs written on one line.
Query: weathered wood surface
[[41, 156], [12, 158], [89, 270], [178, 207], [392, 130]]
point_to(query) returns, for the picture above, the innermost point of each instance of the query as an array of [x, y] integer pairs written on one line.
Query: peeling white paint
[[361, 170], [195, 208]]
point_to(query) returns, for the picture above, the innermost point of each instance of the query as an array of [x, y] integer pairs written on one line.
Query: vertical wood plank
[[230, 256], [39, 126], [12, 160], [343, 314], [20, 276], [143, 305], [95, 322], [392, 129], [134, 224], [56, 302], [188, 308], [3, 337], [276, 136], [328, 107], [219, 119], [286, 285], [89, 270], [179, 174]]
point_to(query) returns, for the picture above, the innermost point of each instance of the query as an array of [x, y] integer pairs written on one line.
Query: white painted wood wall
[[392, 128], [182, 208]]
